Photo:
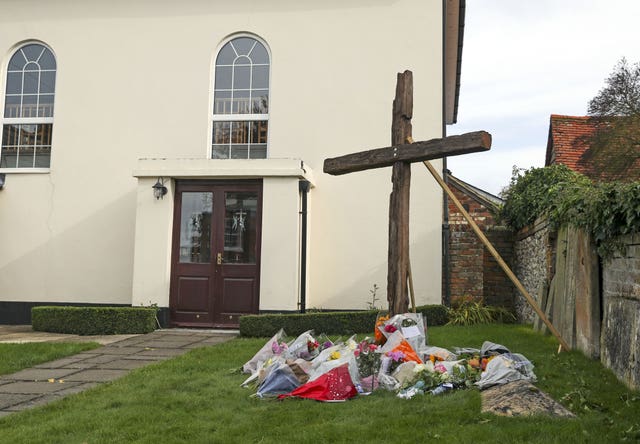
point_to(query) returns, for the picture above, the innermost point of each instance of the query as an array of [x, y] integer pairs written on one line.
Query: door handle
[[219, 259]]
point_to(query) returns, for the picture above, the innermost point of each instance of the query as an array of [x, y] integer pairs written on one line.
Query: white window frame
[[234, 117], [23, 120]]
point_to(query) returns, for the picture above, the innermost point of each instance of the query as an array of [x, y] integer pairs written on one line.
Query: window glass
[[241, 77], [241, 89], [17, 62], [240, 227], [195, 227], [243, 45], [31, 82], [260, 77], [47, 82], [27, 119], [47, 61], [14, 83], [224, 77], [32, 52]]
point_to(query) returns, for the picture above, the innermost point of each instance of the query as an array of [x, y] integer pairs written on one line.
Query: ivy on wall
[[607, 210]]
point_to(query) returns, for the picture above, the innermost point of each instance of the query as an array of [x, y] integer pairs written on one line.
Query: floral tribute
[[397, 358]]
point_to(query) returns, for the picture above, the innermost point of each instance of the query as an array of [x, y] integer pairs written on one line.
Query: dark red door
[[215, 272]]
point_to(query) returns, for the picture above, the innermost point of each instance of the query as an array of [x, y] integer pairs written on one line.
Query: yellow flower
[[334, 355]]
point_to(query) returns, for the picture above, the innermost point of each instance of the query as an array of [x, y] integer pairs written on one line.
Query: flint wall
[[533, 259], [620, 336]]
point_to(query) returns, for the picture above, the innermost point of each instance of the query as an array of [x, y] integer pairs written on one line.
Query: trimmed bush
[[342, 323], [94, 320]]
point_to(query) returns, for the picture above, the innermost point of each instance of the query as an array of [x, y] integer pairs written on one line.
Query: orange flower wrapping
[[380, 338], [409, 353]]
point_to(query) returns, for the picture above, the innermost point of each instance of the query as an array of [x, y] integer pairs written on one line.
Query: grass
[[15, 357], [196, 398]]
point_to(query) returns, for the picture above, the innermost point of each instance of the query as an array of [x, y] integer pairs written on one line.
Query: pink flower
[[278, 349], [390, 328], [397, 356], [440, 368], [373, 347]]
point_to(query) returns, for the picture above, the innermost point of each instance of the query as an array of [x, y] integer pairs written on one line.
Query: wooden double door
[[215, 274]]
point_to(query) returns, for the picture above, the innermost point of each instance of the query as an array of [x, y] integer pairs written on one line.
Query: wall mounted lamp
[[3, 178], [159, 190]]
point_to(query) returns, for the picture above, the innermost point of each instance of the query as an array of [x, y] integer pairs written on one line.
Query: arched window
[[27, 118], [241, 100]]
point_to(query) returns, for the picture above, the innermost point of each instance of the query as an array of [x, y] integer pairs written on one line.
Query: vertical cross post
[[398, 260]]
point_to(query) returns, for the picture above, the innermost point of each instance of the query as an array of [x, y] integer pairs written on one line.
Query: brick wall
[[498, 289], [472, 269]]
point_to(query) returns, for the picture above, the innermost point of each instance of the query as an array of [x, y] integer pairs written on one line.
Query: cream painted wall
[[152, 258], [280, 264], [133, 82]]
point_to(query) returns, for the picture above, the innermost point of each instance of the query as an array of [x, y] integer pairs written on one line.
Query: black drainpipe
[[303, 186]]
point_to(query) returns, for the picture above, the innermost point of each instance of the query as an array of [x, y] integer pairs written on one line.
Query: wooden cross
[[400, 156]]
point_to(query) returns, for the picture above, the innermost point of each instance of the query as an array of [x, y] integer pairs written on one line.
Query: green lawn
[[15, 357], [196, 398]]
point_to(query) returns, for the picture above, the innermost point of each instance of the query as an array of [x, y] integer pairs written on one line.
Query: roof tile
[[569, 144]]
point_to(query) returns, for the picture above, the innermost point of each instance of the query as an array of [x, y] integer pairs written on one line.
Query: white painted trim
[[240, 118], [25, 170], [27, 120], [223, 168]]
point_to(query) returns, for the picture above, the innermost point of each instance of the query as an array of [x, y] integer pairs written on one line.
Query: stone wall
[[533, 260], [620, 337], [619, 331]]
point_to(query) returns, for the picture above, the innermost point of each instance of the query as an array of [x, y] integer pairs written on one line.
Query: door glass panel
[[195, 227], [240, 227]]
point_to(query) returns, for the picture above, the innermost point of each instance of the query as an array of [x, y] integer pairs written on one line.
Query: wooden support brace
[[411, 292], [496, 255]]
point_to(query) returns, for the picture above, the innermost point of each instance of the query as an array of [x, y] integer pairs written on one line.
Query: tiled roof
[[479, 195], [568, 144]]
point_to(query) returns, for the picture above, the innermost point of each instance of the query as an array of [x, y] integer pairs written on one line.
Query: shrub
[[94, 320], [343, 323], [605, 210], [537, 192], [469, 311], [434, 314]]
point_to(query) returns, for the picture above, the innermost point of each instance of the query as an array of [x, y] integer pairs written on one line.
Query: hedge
[[94, 320], [343, 323]]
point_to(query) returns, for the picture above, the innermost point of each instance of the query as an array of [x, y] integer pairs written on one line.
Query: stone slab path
[[54, 380]]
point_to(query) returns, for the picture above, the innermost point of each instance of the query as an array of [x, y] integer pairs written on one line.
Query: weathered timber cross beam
[[400, 156], [409, 152]]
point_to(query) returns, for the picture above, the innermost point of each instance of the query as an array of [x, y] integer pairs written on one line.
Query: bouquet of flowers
[[411, 325], [392, 360], [367, 357], [380, 338], [271, 348], [304, 346]]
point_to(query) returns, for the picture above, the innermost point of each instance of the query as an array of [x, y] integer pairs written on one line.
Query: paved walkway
[[56, 379]]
